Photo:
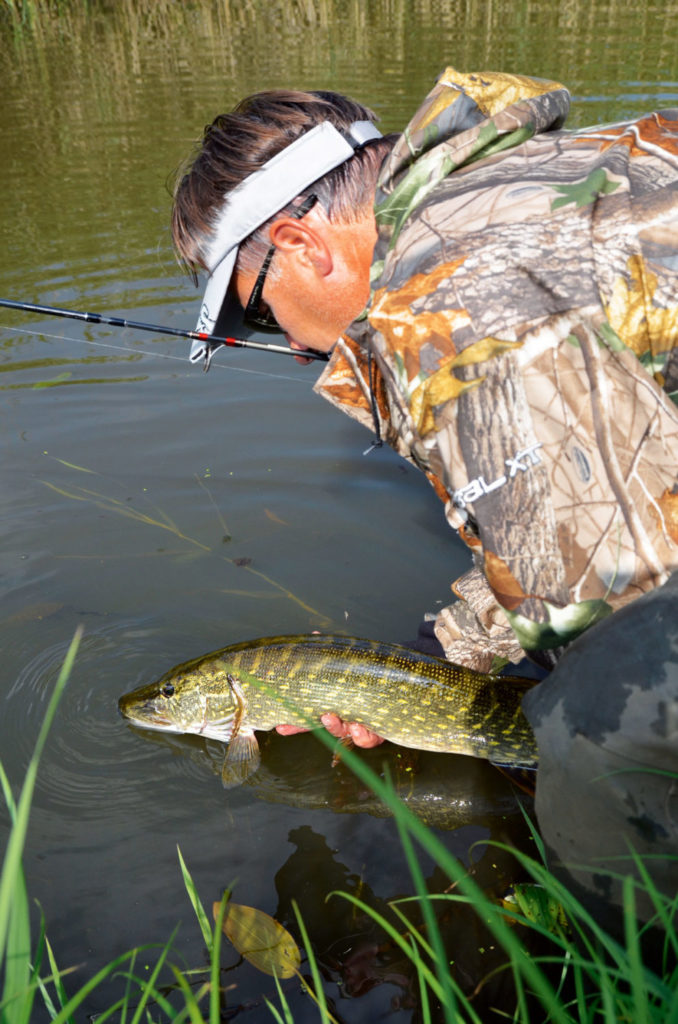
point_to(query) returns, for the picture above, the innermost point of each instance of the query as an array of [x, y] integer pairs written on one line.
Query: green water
[[124, 469]]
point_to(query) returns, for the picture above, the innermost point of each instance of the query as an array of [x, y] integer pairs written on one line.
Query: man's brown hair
[[236, 144]]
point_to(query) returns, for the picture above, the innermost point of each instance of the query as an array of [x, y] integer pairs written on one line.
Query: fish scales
[[410, 698], [383, 686]]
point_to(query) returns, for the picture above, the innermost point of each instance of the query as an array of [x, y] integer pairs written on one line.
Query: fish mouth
[[145, 716]]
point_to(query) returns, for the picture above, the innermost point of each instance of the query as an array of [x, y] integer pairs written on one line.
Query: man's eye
[[167, 690]]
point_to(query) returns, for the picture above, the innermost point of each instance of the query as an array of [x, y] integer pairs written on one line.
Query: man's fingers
[[361, 736], [336, 726]]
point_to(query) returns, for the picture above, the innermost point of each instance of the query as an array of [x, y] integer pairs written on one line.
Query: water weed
[[160, 520]]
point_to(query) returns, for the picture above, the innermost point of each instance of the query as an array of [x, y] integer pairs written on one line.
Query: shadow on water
[[172, 513]]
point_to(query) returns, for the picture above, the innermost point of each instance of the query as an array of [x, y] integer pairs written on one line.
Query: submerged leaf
[[261, 940]]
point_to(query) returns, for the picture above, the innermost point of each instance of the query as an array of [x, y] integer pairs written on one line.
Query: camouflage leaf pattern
[[524, 322]]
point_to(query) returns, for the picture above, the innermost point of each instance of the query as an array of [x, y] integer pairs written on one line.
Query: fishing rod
[[212, 340]]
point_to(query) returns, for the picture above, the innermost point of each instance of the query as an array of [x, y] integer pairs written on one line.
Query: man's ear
[[305, 241]]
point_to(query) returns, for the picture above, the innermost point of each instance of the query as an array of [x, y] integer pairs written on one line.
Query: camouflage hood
[[464, 118]]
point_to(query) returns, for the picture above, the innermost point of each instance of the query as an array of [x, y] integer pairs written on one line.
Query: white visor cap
[[262, 194]]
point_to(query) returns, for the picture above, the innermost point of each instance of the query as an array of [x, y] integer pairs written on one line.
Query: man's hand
[[298, 359], [336, 726]]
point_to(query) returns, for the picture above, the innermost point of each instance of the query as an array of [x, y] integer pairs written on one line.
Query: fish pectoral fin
[[242, 759]]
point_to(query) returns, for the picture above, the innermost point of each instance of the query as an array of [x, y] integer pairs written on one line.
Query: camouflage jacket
[[520, 347]]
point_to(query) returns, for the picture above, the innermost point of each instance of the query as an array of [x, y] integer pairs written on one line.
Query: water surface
[[171, 512]]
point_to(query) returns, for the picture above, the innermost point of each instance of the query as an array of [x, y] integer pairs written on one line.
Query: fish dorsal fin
[[242, 759]]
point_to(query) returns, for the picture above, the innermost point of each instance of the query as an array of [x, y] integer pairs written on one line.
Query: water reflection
[[356, 955], [444, 791]]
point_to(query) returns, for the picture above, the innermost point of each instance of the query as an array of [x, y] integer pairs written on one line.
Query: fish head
[[199, 698]]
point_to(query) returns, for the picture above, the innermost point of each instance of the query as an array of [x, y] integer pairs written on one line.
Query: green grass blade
[[18, 991], [64, 1016], [196, 903], [527, 968], [192, 1010], [288, 1019], [7, 794], [148, 985], [275, 1013], [636, 970], [42, 985], [56, 977], [125, 1000], [415, 933], [15, 952], [672, 1009], [394, 935], [120, 1007], [141, 983], [536, 838], [318, 995], [424, 1004], [12, 862], [215, 960], [434, 952], [440, 960], [666, 910]]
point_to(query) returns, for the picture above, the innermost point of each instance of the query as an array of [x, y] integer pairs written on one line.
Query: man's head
[[245, 205]]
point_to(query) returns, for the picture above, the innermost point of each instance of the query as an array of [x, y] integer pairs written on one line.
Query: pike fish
[[412, 699]]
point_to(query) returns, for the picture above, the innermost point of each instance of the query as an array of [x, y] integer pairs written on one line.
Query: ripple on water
[[92, 756]]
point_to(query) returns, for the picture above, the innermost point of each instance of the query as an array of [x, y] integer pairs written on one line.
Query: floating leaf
[[261, 940]]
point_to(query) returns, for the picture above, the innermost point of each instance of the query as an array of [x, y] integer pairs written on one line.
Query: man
[[506, 298], [500, 297]]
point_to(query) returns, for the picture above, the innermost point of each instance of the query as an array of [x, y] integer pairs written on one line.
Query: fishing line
[[152, 355]]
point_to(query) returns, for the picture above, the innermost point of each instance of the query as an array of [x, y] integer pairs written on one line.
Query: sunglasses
[[257, 313]]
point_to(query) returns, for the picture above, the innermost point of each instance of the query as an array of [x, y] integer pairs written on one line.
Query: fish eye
[[167, 690]]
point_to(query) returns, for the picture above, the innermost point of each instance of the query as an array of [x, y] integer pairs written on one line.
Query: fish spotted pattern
[[409, 698]]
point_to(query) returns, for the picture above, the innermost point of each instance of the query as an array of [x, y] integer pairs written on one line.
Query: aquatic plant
[[162, 521]]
